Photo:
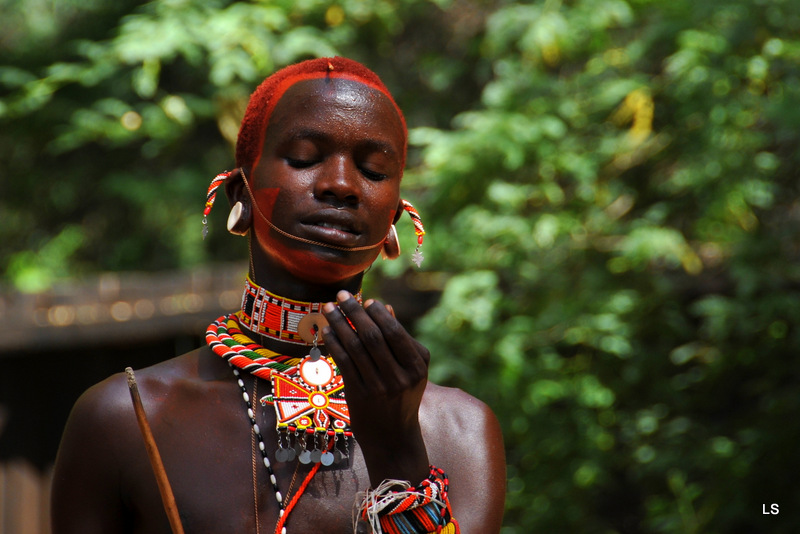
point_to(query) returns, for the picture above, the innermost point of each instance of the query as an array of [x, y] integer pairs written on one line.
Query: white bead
[[255, 428], [246, 397], [250, 414], [283, 530], [272, 479], [261, 445], [280, 514], [241, 383], [279, 497], [236, 372]]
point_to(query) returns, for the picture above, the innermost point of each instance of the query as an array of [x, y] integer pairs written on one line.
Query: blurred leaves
[[609, 189]]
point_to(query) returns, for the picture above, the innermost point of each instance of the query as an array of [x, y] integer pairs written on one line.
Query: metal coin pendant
[[337, 456], [305, 457], [310, 327], [326, 458], [316, 456]]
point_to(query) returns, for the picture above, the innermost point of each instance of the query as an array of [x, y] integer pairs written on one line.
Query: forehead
[[336, 106]]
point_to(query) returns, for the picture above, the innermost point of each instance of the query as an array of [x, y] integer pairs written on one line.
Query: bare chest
[[220, 482]]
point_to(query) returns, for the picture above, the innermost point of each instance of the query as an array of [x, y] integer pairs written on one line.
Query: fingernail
[[368, 303], [343, 295], [328, 307]]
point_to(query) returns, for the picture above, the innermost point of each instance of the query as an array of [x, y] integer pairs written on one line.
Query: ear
[[240, 217], [398, 212], [235, 189]]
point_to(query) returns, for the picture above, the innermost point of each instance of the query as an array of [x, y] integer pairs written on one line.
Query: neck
[[273, 277]]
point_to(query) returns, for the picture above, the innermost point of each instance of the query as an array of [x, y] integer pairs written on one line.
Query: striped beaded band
[[211, 196], [221, 337], [419, 230]]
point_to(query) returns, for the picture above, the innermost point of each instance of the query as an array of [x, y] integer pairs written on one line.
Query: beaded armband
[[421, 509]]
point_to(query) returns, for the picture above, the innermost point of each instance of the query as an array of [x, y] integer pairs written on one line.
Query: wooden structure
[[60, 342]]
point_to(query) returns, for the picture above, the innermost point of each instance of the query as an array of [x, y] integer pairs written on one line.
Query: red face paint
[[302, 259]]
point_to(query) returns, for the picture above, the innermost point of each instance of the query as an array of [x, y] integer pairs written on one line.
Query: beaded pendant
[[310, 409], [312, 418]]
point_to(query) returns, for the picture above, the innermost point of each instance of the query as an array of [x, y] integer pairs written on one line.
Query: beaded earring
[[211, 196], [417, 257]]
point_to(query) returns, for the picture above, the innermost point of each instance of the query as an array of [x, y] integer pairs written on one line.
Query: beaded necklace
[[274, 316], [313, 420]]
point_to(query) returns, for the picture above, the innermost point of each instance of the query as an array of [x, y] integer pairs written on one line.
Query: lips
[[336, 227]]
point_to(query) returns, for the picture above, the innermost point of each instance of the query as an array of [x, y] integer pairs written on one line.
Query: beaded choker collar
[[274, 316]]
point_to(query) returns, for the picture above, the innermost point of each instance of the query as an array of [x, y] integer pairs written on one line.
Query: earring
[[211, 196], [239, 219], [391, 245], [417, 257]]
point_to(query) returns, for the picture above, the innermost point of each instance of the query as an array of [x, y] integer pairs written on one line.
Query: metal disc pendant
[[312, 324], [327, 458], [337, 456], [280, 454], [314, 354], [316, 456], [290, 455], [305, 457]]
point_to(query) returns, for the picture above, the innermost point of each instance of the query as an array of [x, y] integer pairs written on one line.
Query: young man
[[255, 430]]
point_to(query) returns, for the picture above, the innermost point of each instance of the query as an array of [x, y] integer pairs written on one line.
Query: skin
[[332, 152]]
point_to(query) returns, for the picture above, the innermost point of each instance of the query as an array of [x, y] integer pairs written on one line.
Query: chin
[[318, 265]]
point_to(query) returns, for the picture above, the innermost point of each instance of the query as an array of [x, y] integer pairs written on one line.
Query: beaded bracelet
[[421, 509]]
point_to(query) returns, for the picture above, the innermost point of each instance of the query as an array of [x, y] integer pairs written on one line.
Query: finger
[[388, 307], [376, 353], [356, 354], [336, 350], [409, 353]]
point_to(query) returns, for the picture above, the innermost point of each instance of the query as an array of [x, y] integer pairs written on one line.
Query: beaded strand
[[257, 431]]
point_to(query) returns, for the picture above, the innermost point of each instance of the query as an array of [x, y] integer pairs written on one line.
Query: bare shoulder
[[106, 402], [99, 446], [103, 418], [454, 410]]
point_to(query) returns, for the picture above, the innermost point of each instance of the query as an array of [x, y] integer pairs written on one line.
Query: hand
[[385, 372]]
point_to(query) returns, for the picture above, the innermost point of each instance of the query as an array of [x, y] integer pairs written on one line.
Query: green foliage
[[609, 189], [620, 209]]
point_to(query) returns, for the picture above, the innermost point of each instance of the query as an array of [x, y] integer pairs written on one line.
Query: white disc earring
[[238, 220]]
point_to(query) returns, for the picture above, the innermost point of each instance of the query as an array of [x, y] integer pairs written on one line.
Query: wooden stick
[[155, 458]]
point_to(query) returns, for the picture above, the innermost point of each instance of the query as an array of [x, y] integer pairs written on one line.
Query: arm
[[464, 438], [86, 493], [385, 372]]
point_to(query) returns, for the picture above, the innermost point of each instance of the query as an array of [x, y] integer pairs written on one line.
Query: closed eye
[[300, 163], [373, 175]]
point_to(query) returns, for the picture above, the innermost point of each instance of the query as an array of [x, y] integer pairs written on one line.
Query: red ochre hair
[[266, 96]]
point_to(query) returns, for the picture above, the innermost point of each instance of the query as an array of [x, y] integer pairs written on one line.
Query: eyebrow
[[376, 145]]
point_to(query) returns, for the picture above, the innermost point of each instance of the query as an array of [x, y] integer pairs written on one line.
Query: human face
[[329, 175]]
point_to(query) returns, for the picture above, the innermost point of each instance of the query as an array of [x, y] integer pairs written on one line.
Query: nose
[[338, 183]]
